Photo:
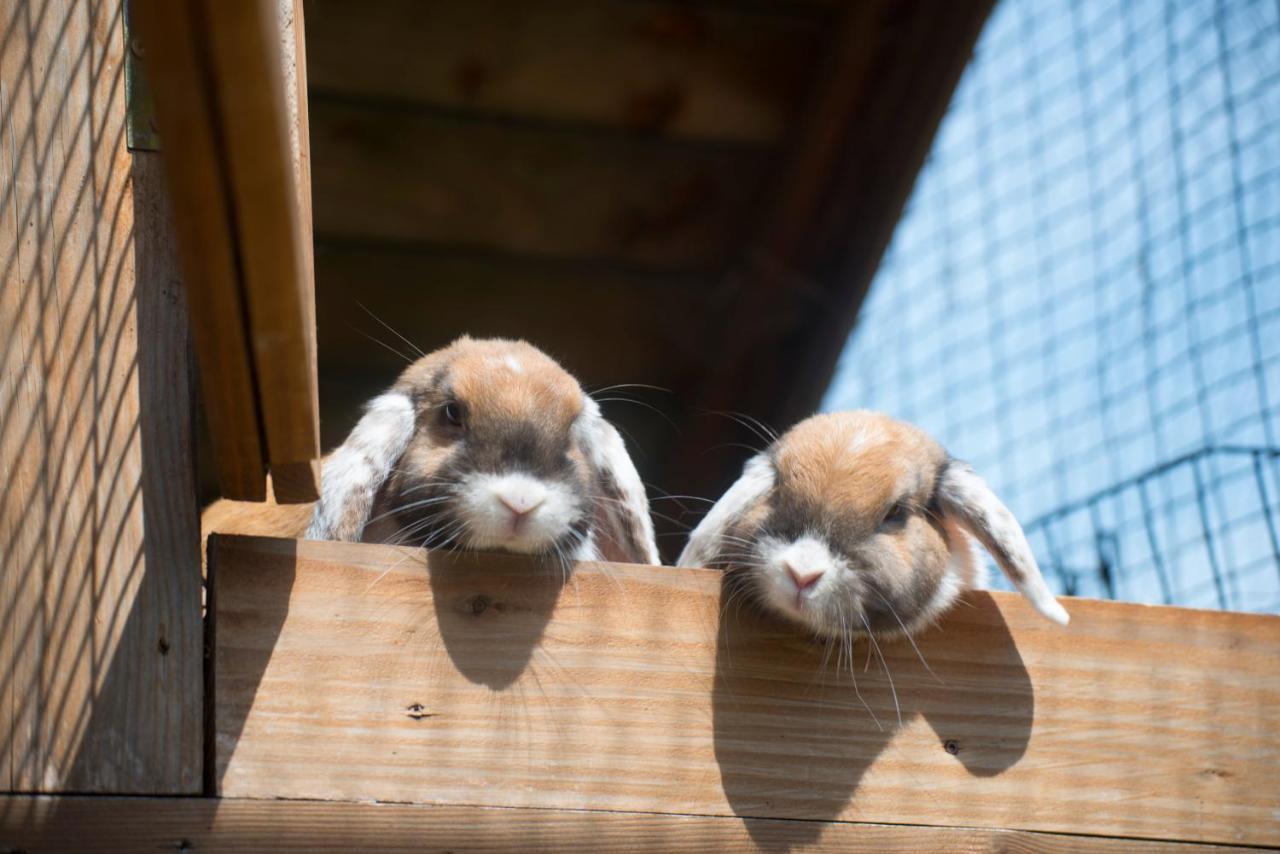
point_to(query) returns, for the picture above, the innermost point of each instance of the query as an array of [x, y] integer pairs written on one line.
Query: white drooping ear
[[706, 542], [622, 508], [352, 475], [966, 498]]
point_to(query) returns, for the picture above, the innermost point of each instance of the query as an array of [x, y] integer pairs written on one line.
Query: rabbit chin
[[485, 507]]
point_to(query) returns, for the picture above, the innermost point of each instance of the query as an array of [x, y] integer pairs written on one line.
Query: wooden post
[[100, 646]]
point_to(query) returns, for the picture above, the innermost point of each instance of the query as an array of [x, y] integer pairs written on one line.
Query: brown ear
[[624, 527], [966, 498], [352, 475]]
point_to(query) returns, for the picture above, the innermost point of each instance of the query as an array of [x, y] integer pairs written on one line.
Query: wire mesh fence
[[1083, 297]]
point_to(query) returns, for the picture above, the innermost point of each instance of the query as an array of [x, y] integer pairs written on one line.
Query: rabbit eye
[[453, 413], [896, 517]]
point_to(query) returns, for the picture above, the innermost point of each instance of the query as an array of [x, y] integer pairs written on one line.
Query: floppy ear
[[707, 540], [352, 475], [966, 498], [621, 508]]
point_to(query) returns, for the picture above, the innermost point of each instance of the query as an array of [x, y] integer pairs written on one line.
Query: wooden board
[[708, 72], [297, 481], [43, 824], [100, 647], [357, 672], [187, 121], [263, 155], [388, 174]]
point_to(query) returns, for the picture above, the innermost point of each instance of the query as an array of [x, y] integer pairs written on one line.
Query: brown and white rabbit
[[854, 523], [484, 444]]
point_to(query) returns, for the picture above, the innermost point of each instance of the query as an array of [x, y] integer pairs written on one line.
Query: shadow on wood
[[799, 721], [489, 633], [252, 640]]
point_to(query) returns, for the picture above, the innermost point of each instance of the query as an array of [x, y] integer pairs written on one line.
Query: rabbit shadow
[[793, 737], [492, 611]]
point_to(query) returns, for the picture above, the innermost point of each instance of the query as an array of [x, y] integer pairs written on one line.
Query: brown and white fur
[[484, 444], [854, 523]]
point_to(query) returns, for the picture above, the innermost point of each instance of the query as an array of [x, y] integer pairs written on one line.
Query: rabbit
[[854, 523], [485, 444]]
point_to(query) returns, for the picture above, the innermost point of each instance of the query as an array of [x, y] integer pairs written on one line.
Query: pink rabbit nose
[[803, 580], [521, 505]]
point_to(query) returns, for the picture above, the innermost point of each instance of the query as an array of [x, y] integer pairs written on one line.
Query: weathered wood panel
[[43, 824], [689, 71], [389, 174], [100, 647], [353, 672]]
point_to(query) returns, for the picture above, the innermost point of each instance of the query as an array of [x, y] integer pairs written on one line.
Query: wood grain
[[41, 824], [264, 161], [99, 583], [187, 118], [717, 73], [357, 672], [387, 174]]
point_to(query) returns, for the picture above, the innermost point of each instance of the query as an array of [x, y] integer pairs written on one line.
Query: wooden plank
[[262, 150], [355, 672], [99, 605], [296, 482], [386, 174], [186, 117], [683, 71], [44, 824]]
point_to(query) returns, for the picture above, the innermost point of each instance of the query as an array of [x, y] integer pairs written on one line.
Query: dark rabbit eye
[[453, 413], [896, 517]]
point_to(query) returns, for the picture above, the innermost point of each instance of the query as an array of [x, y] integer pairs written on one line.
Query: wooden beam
[[100, 647], [365, 672], [98, 825], [388, 174], [186, 118], [232, 121], [687, 71], [263, 149]]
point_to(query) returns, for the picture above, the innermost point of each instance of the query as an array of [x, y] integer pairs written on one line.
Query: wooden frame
[[358, 672]]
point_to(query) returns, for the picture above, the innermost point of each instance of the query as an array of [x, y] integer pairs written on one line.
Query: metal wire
[[1083, 297]]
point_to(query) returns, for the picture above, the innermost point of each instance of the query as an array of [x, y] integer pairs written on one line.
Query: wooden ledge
[[97, 824], [352, 672]]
